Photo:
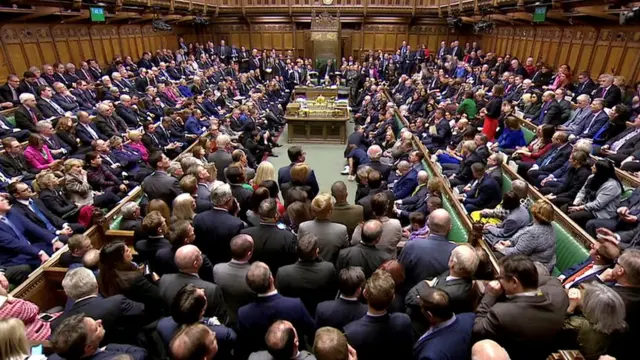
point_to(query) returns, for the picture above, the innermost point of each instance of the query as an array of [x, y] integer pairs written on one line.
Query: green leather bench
[[115, 224], [11, 119], [569, 251], [528, 134]]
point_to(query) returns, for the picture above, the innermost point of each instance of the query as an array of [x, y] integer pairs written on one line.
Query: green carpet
[[326, 160]]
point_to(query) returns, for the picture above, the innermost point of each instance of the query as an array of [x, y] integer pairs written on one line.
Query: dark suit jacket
[[85, 137], [612, 97], [48, 110], [460, 293], [552, 113], [273, 246], [225, 337], [485, 194], [7, 95], [464, 174], [16, 166], [502, 320], [16, 251], [24, 120], [311, 281], [170, 284], [254, 320], [585, 279], [383, 169], [55, 202], [214, 230], [160, 185], [367, 257], [121, 317], [557, 159], [284, 176], [624, 344], [365, 202], [425, 259], [451, 342], [629, 146], [29, 214], [148, 248], [339, 312], [441, 138], [587, 87], [388, 336], [111, 351], [165, 264]]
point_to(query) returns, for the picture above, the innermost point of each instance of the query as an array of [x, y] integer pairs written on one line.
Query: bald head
[[423, 177], [488, 350], [188, 258], [439, 222], [282, 340], [241, 247], [371, 231], [259, 278]]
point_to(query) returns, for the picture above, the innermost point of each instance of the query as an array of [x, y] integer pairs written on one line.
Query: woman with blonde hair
[[213, 174], [184, 206], [13, 342], [78, 190], [331, 236], [162, 207], [265, 171], [136, 143], [299, 175]]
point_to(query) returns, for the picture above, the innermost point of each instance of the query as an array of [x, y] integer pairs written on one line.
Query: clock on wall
[[327, 2]]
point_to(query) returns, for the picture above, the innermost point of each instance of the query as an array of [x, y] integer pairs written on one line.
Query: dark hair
[[307, 247], [580, 156], [187, 305], [374, 179], [510, 200], [521, 268], [90, 156], [477, 167], [272, 186], [379, 204], [235, 174], [605, 170], [437, 302], [155, 158], [70, 338], [35, 140], [178, 232], [295, 194], [350, 279], [258, 195], [294, 153], [418, 218], [547, 133], [115, 272]]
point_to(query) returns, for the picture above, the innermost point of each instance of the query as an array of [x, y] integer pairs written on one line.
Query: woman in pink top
[[137, 144], [38, 154]]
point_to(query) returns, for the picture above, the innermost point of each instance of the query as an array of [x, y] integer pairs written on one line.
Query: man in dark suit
[[450, 333], [439, 140], [32, 208], [585, 86], [327, 69], [9, 91], [154, 227], [58, 148], [365, 254], [188, 259], [255, 318], [87, 131], [29, 84], [13, 162], [121, 317], [602, 256], [216, 227], [7, 129], [347, 307], [539, 303], [231, 276], [485, 194], [46, 104], [551, 112], [311, 279], [372, 334], [623, 145], [375, 153], [273, 245], [428, 258], [161, 185], [594, 121], [374, 182], [297, 155], [611, 94], [27, 114], [79, 245], [549, 162], [343, 212], [222, 157]]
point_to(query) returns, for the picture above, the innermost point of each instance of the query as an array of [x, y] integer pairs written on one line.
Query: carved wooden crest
[[325, 21]]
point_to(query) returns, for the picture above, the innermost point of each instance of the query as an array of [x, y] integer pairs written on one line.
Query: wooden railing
[[43, 287]]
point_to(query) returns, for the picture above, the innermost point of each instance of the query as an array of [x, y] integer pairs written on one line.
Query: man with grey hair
[[175, 170], [131, 219], [365, 254], [418, 199], [274, 244], [188, 260], [222, 157], [596, 119], [578, 120], [58, 148], [216, 227], [121, 317], [375, 154], [610, 93], [311, 279], [28, 114], [107, 123]]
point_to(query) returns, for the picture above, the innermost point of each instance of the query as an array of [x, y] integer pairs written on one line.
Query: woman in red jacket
[[493, 108]]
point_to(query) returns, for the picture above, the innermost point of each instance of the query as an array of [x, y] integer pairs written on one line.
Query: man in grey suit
[[188, 259], [231, 276], [331, 236], [222, 157], [310, 279], [161, 185], [343, 212]]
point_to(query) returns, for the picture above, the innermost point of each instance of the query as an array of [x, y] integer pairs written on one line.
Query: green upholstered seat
[[458, 232], [569, 251], [506, 183], [528, 134], [11, 119], [115, 224], [626, 194]]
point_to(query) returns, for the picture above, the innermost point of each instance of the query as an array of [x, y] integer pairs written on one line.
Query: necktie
[[577, 275], [542, 113], [618, 144], [604, 92], [14, 93], [55, 106], [18, 233], [548, 159], [90, 130], [33, 116], [41, 216], [590, 123]]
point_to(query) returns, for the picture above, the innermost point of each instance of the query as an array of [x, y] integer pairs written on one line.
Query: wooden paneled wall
[[284, 37], [613, 50], [27, 45]]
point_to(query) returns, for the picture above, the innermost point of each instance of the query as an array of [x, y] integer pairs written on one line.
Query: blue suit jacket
[[225, 336], [284, 176], [193, 126], [425, 259], [84, 135], [339, 312], [128, 158], [406, 184], [255, 318], [13, 251], [574, 269], [449, 343], [381, 337]]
